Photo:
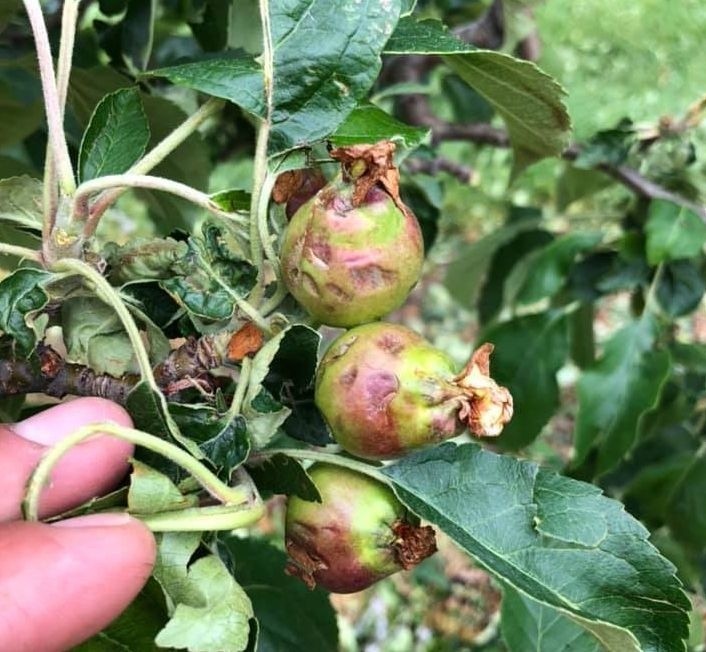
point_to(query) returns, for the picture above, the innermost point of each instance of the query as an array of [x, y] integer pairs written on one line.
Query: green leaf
[[680, 288], [548, 268], [21, 202], [529, 100], [212, 614], [8, 9], [617, 391], [281, 474], [673, 232], [369, 124], [137, 33], [529, 351], [152, 492], [313, 95], [290, 380], [504, 259], [291, 617], [21, 297], [224, 442], [211, 30], [464, 275], [212, 277], [232, 76], [116, 136], [528, 625], [609, 147], [686, 510], [21, 106], [232, 200], [551, 537], [136, 627], [94, 336], [574, 184]]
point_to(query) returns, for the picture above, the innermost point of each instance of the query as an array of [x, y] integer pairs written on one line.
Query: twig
[[56, 377], [463, 173]]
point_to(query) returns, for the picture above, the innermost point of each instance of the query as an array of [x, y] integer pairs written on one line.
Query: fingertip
[[52, 425], [87, 571]]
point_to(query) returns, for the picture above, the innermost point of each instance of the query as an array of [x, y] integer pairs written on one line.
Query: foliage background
[[617, 59]]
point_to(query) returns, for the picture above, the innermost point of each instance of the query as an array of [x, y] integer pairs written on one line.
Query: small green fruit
[[359, 533]]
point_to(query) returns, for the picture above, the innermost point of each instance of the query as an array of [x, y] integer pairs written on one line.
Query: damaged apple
[[384, 390]]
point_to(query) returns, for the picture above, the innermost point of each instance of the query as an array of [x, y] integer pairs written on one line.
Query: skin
[[350, 531], [60, 584], [347, 265], [384, 391]]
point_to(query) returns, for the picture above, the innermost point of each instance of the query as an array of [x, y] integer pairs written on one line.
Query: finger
[[60, 584], [90, 469]]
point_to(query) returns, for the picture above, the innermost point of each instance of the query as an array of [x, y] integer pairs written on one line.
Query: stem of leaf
[[261, 192], [229, 496], [271, 304], [52, 104], [21, 252], [262, 219], [259, 177], [130, 180], [329, 458], [237, 402], [153, 158]]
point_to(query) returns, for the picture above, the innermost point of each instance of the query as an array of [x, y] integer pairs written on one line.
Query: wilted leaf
[[551, 537], [152, 492], [21, 296], [94, 336], [211, 278], [209, 611]]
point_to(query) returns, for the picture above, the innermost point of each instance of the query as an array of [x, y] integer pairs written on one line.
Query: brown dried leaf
[[245, 341]]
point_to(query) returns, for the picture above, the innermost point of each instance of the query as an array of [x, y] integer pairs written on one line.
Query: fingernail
[[52, 425], [107, 519]]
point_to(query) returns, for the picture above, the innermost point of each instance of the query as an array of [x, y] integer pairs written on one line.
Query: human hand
[[62, 583]]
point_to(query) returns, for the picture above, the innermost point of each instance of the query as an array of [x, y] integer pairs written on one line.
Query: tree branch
[[463, 173]]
